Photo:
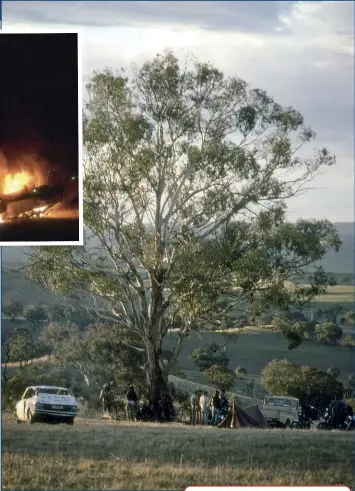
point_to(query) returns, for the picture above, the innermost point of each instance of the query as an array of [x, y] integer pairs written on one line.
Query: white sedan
[[46, 403]]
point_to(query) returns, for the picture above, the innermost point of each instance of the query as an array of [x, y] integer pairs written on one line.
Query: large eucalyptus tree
[[187, 176]]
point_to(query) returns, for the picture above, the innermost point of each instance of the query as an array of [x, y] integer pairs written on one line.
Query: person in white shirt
[[204, 406]]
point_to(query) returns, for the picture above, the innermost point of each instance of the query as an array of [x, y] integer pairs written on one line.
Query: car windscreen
[[52, 391]]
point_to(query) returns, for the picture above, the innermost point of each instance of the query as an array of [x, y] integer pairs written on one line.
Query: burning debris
[[30, 192]]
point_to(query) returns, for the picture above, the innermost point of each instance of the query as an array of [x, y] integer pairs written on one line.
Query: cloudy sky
[[302, 53]]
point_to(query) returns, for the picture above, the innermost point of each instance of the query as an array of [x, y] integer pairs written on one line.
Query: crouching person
[[131, 404]]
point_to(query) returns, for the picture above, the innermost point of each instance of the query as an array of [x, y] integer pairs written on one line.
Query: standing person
[[194, 402], [224, 401], [215, 406], [337, 411], [106, 396], [204, 407], [131, 404], [198, 408]]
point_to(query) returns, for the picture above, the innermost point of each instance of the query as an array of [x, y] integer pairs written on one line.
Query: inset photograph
[[40, 139]]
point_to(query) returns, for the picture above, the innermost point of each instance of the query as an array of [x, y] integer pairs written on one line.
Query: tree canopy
[[282, 378], [187, 177]]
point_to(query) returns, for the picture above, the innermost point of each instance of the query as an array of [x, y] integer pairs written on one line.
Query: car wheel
[[70, 421], [288, 424], [30, 417]]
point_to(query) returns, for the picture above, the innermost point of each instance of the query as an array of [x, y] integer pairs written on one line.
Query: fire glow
[[15, 183], [22, 173], [32, 189]]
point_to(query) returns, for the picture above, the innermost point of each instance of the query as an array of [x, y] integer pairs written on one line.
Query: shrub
[[328, 333], [280, 377], [351, 381], [205, 358], [222, 378], [13, 309], [348, 341], [333, 371], [241, 372]]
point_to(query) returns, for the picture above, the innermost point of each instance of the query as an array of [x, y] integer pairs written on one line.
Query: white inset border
[[80, 242]]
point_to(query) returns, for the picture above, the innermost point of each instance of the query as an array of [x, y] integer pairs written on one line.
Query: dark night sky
[[39, 96]]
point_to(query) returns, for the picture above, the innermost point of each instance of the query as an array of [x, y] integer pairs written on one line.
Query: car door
[[26, 397], [20, 407]]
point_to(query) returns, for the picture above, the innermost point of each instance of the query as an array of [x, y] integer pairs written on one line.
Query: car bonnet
[[56, 399]]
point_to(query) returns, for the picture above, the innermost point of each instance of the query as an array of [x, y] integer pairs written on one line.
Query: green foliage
[[334, 372], [13, 309], [328, 333], [100, 353], [350, 318], [17, 351], [204, 358], [36, 315], [221, 377], [351, 381], [12, 390], [280, 377], [187, 179], [241, 372], [348, 341], [19, 347], [48, 374]]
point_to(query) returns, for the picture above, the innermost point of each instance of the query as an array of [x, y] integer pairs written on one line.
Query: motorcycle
[[349, 423], [327, 422]]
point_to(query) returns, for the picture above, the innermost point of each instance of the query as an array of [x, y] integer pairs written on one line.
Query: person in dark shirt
[[224, 401], [216, 407], [338, 412], [131, 404]]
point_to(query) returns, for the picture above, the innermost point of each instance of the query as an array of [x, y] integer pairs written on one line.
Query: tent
[[237, 417]]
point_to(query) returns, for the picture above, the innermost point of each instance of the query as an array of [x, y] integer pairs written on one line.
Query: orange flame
[[22, 173], [15, 183]]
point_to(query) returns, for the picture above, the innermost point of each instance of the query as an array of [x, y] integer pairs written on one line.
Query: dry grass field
[[109, 455]]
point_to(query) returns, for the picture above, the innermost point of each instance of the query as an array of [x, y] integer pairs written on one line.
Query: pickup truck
[[280, 411]]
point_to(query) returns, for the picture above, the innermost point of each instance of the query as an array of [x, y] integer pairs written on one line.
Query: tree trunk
[[158, 388]]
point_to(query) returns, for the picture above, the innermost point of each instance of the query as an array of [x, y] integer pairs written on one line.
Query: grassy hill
[[111, 455], [255, 348]]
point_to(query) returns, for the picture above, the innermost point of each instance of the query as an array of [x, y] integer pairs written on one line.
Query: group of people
[[208, 410], [107, 396], [163, 410]]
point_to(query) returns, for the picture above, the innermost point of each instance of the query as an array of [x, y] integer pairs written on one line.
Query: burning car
[[46, 403], [37, 202]]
